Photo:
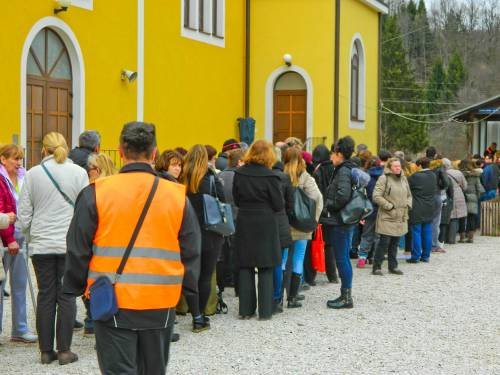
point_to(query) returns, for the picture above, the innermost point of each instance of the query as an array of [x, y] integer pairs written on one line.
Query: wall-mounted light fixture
[[128, 75], [62, 6], [287, 58]]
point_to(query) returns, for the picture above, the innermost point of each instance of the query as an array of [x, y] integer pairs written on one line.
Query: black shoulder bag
[[103, 304]]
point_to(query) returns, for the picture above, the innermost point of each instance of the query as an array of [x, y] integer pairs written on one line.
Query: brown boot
[[470, 236], [462, 238], [66, 357]]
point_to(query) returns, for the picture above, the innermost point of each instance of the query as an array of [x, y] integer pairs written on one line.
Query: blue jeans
[[368, 236], [340, 238], [299, 252], [278, 275], [18, 277], [421, 241]]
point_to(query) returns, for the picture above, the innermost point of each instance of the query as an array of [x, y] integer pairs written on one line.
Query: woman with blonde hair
[[200, 180], [100, 165], [257, 194], [11, 181], [295, 167], [45, 212]]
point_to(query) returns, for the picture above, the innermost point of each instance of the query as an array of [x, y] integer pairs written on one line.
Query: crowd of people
[[145, 228]]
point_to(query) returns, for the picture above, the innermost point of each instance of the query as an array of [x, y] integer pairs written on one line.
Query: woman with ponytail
[[45, 211]]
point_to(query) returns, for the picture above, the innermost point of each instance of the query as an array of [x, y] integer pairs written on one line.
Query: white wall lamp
[[128, 75], [287, 58], [62, 6]]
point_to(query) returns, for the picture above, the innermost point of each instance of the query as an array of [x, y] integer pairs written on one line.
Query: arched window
[[357, 84]]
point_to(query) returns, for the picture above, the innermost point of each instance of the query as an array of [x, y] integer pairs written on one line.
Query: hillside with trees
[[436, 61]]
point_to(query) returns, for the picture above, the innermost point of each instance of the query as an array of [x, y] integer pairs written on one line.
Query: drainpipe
[[336, 92], [247, 58]]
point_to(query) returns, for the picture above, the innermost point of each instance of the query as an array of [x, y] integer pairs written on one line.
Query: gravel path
[[439, 318]]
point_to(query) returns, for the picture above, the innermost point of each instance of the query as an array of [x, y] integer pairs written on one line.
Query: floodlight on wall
[[62, 6], [287, 58], [128, 75]]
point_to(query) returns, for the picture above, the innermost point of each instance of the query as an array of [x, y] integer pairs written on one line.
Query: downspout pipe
[[379, 86], [247, 58], [336, 91]]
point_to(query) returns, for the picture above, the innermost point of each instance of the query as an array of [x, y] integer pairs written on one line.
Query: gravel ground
[[439, 318]]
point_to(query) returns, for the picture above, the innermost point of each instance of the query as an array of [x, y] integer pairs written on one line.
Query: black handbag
[[358, 208], [303, 215], [217, 216], [103, 304]]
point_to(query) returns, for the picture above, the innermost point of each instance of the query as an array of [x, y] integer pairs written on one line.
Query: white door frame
[[269, 104], [77, 71]]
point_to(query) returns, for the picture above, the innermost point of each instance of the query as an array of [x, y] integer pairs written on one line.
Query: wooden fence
[[490, 218]]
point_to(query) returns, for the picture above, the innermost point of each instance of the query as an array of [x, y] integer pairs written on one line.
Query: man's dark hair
[[384, 155], [344, 146], [230, 144], [424, 162], [431, 152], [89, 139], [138, 140]]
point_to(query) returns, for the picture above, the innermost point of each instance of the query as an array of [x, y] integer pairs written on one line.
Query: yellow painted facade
[[193, 91]]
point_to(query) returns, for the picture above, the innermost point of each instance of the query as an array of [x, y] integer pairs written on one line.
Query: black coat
[[323, 175], [339, 192], [424, 187], [283, 215], [257, 194]]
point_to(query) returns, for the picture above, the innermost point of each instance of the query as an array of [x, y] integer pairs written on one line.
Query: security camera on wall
[[129, 75]]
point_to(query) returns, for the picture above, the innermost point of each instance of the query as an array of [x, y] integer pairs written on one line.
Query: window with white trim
[[203, 20], [357, 84]]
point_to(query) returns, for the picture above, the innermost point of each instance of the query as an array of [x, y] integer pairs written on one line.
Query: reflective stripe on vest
[[153, 273]]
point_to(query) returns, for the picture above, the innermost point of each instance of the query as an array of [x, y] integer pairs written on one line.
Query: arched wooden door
[[49, 96]]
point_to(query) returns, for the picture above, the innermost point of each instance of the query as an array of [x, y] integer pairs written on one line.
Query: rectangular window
[[203, 20]]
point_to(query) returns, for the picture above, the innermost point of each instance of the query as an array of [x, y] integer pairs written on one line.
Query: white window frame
[[85, 4], [358, 123], [195, 31]]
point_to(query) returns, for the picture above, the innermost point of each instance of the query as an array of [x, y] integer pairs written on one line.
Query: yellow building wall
[[304, 29], [359, 18], [194, 91], [107, 37]]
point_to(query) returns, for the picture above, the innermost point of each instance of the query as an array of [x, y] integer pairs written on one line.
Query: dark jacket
[[424, 187], [446, 205], [339, 192], [80, 156], [79, 252], [227, 177], [490, 177], [322, 175], [197, 198], [257, 193], [283, 215]]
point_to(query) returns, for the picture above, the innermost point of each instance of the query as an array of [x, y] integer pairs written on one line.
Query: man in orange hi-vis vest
[[164, 257]]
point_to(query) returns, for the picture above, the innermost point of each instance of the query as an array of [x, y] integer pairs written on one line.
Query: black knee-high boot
[[294, 290]]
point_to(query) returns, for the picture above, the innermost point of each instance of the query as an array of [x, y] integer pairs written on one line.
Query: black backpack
[[303, 216]]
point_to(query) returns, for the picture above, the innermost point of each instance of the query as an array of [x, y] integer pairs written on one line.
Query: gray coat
[[308, 184], [474, 190], [43, 213], [459, 186], [393, 197]]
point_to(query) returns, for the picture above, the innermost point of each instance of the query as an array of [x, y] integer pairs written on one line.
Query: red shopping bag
[[318, 250]]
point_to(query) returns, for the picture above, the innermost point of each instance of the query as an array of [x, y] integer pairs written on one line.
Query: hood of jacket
[[477, 172], [376, 172]]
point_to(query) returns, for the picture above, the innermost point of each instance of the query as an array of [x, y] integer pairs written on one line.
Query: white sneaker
[[27, 338]]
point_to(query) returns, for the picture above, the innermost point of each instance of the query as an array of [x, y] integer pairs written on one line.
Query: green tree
[[437, 88], [400, 94], [457, 75]]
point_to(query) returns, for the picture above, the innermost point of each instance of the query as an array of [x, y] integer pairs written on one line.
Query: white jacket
[[43, 213]]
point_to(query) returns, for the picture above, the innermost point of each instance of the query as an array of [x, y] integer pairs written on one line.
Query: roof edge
[[378, 5], [474, 106]]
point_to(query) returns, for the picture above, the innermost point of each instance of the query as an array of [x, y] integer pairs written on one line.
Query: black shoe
[[175, 337], [293, 303], [48, 357], [305, 286], [200, 324], [396, 271], [66, 357], [333, 279], [88, 331], [377, 272], [311, 282], [277, 307], [413, 261], [77, 325], [300, 297], [424, 260], [6, 294], [344, 302], [353, 255]]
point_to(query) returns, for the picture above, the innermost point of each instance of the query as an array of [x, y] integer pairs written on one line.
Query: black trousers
[[132, 352], [211, 245], [49, 271], [390, 244], [309, 271], [248, 299], [409, 241]]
